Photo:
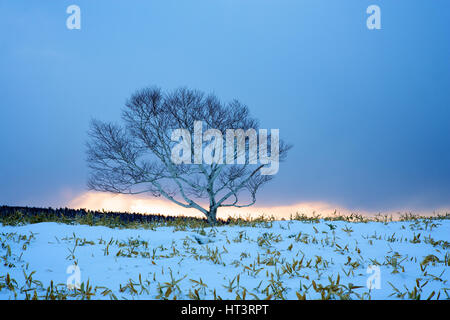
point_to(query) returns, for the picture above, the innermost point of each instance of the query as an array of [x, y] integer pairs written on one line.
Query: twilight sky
[[368, 111]]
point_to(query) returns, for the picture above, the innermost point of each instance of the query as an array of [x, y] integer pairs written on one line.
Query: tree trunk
[[212, 216]]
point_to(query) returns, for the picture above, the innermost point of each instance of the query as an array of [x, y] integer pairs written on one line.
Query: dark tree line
[[73, 214]]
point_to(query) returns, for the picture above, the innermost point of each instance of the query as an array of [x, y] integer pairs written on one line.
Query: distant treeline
[[77, 214]]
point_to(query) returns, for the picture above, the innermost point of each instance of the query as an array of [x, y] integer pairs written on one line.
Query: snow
[[277, 260]]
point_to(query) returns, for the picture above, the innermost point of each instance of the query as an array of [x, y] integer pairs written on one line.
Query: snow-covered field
[[277, 260]]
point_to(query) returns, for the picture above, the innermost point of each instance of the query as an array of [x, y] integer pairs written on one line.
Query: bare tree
[[137, 157]]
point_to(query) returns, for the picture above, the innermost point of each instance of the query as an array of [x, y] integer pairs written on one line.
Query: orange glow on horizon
[[149, 205]]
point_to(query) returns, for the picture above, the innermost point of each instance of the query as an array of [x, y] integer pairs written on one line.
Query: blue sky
[[368, 111]]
